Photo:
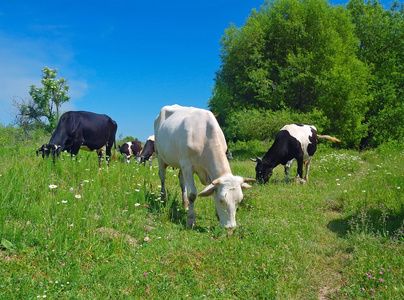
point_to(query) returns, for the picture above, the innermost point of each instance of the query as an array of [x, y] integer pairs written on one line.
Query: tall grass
[[70, 230]]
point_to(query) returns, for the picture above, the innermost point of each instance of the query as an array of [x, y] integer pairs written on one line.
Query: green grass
[[119, 240]]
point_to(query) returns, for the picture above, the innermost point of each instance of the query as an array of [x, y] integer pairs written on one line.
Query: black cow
[[130, 149], [292, 142], [82, 130], [147, 153]]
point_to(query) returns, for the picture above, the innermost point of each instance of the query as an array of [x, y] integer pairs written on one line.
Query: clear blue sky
[[125, 59]]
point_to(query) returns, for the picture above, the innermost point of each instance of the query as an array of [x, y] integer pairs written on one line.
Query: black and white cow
[[82, 130], [292, 142], [147, 152], [130, 149]]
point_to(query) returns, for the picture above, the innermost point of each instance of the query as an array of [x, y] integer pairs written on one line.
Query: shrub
[[257, 124]]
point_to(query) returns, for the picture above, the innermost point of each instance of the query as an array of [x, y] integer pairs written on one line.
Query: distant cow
[[229, 154], [82, 130], [191, 139], [130, 149], [147, 153], [292, 142]]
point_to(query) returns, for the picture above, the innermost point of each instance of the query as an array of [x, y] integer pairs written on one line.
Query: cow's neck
[[272, 158], [218, 170]]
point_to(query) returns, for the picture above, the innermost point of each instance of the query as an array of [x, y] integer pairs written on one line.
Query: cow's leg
[[299, 167], [184, 190], [108, 153], [287, 168], [162, 174], [100, 157], [307, 169], [300, 170], [188, 178], [54, 153], [75, 150]]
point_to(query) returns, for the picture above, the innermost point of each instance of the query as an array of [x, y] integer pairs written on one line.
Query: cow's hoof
[[191, 222]]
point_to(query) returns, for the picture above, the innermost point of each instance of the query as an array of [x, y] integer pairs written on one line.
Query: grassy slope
[[293, 241]]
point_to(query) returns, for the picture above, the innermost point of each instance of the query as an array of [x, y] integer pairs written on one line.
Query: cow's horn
[[248, 180]]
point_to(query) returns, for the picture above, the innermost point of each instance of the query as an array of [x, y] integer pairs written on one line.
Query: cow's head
[[227, 193], [44, 149], [124, 150], [140, 159], [47, 149], [262, 171]]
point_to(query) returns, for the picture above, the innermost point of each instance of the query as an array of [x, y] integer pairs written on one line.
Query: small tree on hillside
[[42, 110]]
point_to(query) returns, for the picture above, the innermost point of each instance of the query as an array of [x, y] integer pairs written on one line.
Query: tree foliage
[[260, 124], [42, 110], [381, 47], [299, 57]]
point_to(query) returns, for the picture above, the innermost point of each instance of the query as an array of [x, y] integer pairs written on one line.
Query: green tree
[[381, 46], [43, 109], [298, 56]]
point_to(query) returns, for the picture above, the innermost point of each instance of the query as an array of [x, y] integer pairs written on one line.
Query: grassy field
[[72, 231]]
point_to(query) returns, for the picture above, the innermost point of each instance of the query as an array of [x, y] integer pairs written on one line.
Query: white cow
[[191, 139]]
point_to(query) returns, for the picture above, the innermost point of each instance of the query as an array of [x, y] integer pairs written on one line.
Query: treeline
[[339, 68]]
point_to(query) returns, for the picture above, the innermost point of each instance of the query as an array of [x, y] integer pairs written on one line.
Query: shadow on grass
[[378, 220], [171, 208]]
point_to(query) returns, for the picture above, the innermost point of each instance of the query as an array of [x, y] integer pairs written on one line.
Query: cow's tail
[[327, 137]]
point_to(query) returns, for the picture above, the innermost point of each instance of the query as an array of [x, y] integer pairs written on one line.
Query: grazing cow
[[130, 149], [191, 139], [292, 142], [229, 154], [82, 130], [147, 153]]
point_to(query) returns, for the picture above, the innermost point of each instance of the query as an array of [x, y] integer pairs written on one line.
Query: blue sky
[[126, 59]]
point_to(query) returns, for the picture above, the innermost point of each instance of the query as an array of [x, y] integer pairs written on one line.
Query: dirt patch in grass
[[114, 234]]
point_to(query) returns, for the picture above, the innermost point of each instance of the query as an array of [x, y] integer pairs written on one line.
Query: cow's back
[[306, 135], [94, 129], [192, 135]]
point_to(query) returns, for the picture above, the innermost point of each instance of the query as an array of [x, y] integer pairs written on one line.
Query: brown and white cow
[[130, 149], [294, 141], [191, 139]]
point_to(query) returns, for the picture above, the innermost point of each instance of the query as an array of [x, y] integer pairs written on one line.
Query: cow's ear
[[207, 191], [216, 181]]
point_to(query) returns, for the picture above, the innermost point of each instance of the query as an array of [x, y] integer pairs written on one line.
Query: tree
[[299, 56], [381, 46], [43, 109]]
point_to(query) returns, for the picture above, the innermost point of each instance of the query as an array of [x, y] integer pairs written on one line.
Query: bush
[[10, 136], [245, 150], [254, 124]]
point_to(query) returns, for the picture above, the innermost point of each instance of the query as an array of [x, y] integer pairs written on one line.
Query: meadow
[[74, 231]]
